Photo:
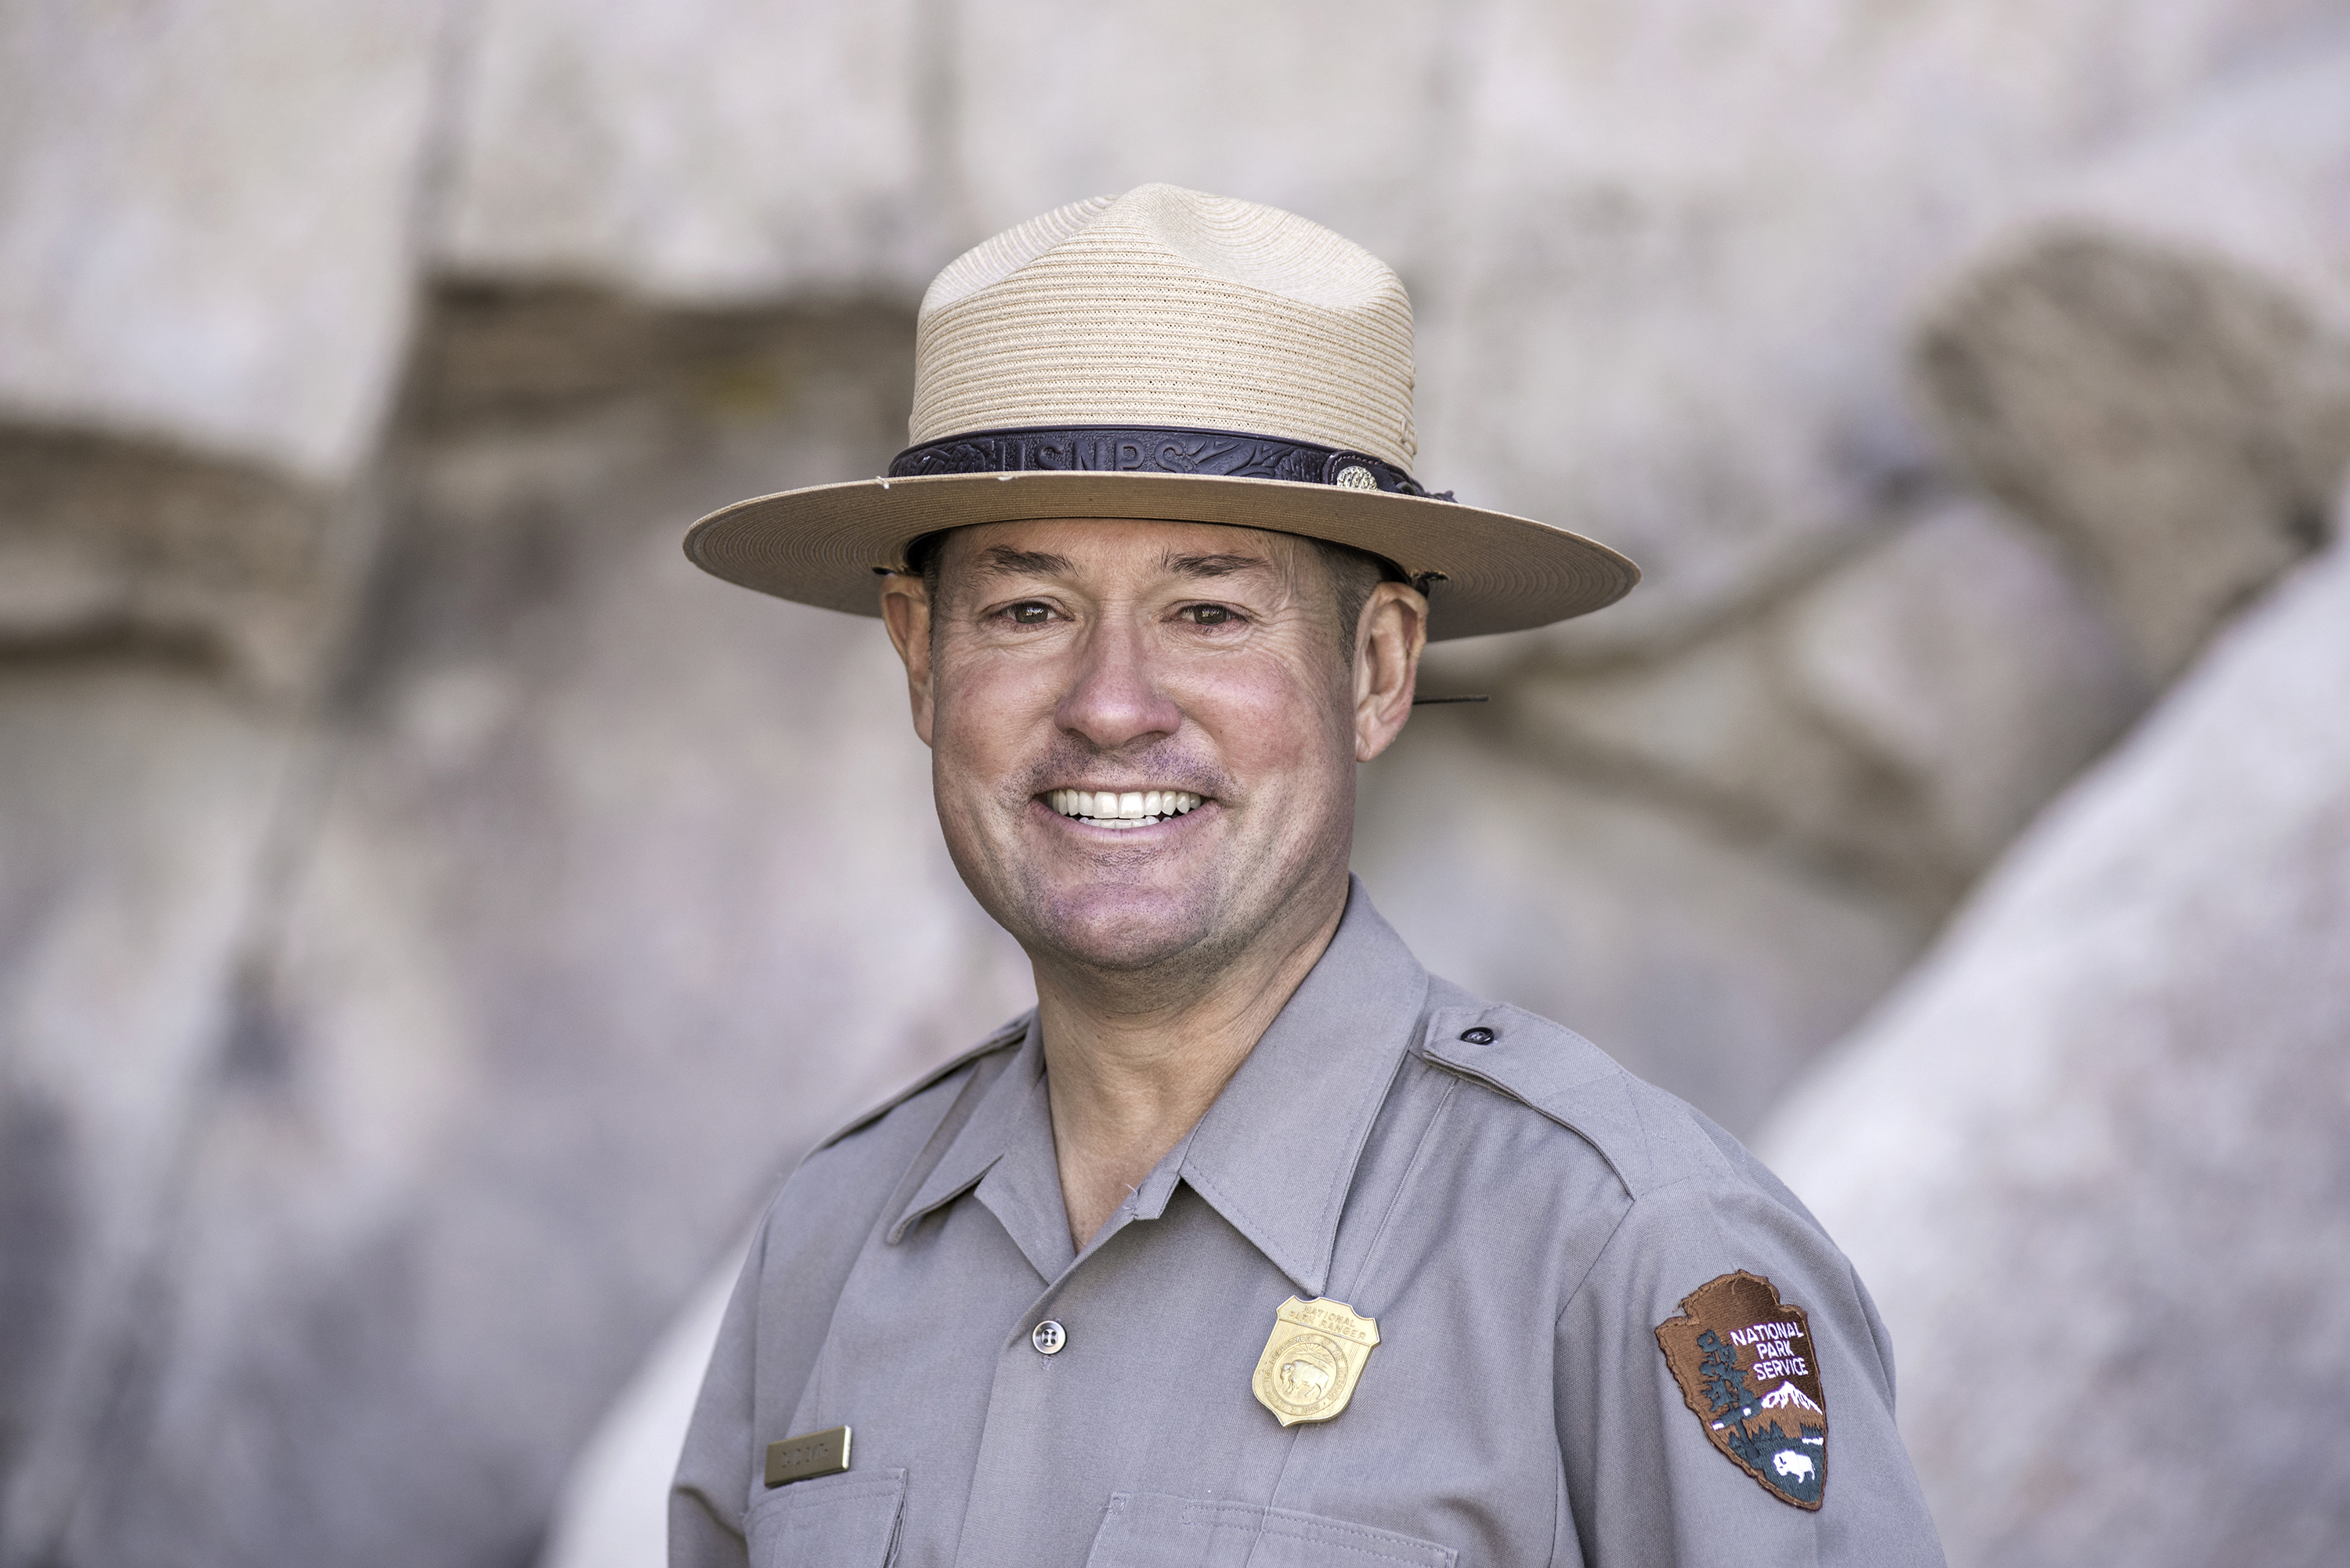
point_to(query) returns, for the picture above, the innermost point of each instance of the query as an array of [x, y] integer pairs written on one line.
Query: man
[[1253, 1243]]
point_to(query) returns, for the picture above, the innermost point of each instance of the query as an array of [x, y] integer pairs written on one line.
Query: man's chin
[[1122, 927]]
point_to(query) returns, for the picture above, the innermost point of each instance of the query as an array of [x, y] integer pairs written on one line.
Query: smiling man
[[1253, 1243]]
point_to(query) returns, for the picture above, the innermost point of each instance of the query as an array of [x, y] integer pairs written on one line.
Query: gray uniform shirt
[[1516, 1212]]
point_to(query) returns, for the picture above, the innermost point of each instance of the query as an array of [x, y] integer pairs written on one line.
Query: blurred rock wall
[[431, 914], [2091, 1158]]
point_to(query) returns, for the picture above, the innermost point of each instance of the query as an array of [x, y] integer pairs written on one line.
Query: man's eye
[[1208, 615], [1030, 614]]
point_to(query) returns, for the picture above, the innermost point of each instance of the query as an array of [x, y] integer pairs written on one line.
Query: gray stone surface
[[2155, 362], [614, 1511], [1893, 721], [208, 219], [140, 799], [2094, 1158], [1686, 238], [702, 149], [108, 544]]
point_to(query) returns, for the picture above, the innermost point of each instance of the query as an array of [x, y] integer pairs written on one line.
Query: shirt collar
[[1005, 1150], [1275, 1155]]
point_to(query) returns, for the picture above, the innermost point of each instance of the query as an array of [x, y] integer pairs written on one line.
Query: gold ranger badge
[[1309, 1367]]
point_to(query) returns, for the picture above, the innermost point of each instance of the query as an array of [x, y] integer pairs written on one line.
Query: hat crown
[[1169, 307]]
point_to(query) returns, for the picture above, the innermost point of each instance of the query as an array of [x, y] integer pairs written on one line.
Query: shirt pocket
[[1148, 1530], [835, 1522]]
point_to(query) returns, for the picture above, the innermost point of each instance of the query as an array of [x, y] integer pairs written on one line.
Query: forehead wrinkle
[[1004, 561], [1223, 563]]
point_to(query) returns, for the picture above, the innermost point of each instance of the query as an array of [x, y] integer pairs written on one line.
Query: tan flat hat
[[1167, 355]]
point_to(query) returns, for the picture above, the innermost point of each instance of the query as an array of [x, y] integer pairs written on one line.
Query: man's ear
[[906, 611], [1389, 640]]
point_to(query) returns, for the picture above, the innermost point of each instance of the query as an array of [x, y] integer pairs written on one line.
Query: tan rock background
[[432, 916]]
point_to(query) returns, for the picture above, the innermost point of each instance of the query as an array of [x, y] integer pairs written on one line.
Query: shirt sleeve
[[707, 1501], [1647, 1484]]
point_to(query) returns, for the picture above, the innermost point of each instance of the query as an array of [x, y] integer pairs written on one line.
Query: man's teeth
[[1114, 808]]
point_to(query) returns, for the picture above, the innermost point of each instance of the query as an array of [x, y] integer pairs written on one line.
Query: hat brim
[[825, 544]]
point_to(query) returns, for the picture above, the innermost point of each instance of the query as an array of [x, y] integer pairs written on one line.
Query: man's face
[[1071, 667]]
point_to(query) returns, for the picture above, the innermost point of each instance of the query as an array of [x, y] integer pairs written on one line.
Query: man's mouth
[[1121, 808]]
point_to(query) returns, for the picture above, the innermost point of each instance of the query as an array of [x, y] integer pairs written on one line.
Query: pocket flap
[[1151, 1530], [837, 1521]]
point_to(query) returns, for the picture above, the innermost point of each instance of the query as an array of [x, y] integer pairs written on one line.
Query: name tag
[[805, 1457]]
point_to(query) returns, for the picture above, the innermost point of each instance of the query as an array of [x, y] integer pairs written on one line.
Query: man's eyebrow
[[1003, 561], [1224, 566]]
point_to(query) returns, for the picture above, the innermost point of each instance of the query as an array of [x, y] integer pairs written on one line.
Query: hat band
[[1154, 449]]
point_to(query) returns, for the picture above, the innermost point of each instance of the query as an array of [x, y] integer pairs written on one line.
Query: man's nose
[[1113, 698]]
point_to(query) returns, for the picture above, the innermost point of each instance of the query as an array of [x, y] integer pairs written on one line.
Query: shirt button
[[1049, 1338], [1478, 1036]]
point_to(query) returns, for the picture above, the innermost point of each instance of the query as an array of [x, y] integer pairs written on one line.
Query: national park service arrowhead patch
[[1745, 1362]]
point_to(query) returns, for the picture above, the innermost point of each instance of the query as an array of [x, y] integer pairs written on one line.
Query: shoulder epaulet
[[1010, 1034], [1551, 1069]]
